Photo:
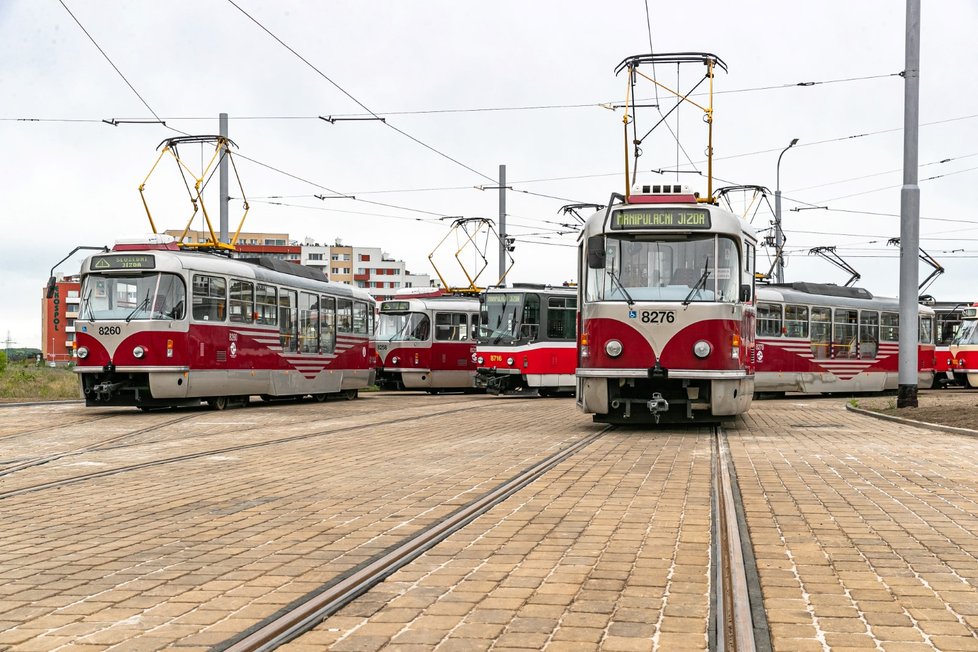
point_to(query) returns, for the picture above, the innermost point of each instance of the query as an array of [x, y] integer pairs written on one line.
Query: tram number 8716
[[658, 317]]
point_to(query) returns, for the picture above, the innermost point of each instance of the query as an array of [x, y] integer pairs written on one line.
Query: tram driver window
[[209, 298]]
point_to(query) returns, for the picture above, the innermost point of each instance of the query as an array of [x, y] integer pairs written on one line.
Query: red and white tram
[[666, 321], [427, 343], [821, 338], [948, 320], [964, 348], [167, 327], [527, 340]]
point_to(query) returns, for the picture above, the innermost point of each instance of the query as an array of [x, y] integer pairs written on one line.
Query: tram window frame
[[451, 327], [344, 315], [530, 317], [241, 301], [750, 253], [475, 320], [845, 334], [925, 326], [210, 306], [360, 325], [889, 327], [327, 320], [562, 313], [767, 323], [869, 334], [266, 312], [308, 322], [798, 325], [288, 322], [820, 320]]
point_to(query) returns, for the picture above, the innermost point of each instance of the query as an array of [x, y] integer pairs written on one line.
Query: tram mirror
[[595, 252], [51, 285], [745, 292]]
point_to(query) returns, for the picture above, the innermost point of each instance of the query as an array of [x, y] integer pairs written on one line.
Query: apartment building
[[58, 315]]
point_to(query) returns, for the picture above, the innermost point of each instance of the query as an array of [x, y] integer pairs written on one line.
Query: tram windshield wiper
[[621, 286], [88, 306], [143, 304], [700, 284]]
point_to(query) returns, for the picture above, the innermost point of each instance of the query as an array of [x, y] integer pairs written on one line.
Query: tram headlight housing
[[395, 360], [481, 360], [138, 352], [613, 348], [82, 352], [510, 361], [702, 349]]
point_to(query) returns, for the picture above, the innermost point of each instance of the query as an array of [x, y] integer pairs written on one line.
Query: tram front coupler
[[657, 405], [103, 391]]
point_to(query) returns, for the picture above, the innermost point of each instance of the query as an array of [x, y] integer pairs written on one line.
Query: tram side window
[[344, 315], [768, 320], [821, 332], [947, 327], [210, 297], [530, 323], [926, 332], [561, 318], [869, 334], [796, 321], [890, 327], [360, 318], [241, 306], [308, 323], [844, 333], [266, 301], [327, 319], [474, 332], [451, 327], [287, 322], [749, 258]]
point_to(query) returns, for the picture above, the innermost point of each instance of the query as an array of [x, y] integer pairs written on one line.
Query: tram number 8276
[[658, 317]]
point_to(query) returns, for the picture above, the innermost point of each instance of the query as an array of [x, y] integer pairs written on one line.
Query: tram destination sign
[[661, 218], [123, 261], [395, 306]]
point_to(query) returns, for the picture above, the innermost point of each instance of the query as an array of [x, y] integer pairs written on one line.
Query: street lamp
[[778, 234]]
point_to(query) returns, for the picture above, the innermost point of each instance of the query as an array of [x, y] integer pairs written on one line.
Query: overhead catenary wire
[[354, 99]]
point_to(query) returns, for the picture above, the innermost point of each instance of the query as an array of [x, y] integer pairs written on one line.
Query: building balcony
[[361, 277]]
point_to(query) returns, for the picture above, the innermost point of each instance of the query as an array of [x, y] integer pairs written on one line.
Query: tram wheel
[[350, 394], [319, 398], [218, 402]]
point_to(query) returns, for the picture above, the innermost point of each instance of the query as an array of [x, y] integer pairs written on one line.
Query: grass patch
[[30, 383]]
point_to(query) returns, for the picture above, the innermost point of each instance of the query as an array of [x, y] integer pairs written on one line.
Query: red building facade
[[58, 315]]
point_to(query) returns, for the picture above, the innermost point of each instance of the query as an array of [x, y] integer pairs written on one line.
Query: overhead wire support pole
[[778, 233], [502, 225], [909, 215], [223, 176]]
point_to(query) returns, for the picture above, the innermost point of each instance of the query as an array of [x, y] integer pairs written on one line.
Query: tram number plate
[[109, 330], [658, 317]]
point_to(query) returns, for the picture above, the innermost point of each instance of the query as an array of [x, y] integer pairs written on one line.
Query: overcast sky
[[69, 179]]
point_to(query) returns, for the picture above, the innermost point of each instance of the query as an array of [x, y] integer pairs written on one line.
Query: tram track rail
[[307, 612], [53, 484], [738, 621]]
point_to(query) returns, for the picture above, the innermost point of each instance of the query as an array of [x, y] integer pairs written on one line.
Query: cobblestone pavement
[[188, 553], [609, 550], [865, 532]]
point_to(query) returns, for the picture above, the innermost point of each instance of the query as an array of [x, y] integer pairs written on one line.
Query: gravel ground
[[950, 407]]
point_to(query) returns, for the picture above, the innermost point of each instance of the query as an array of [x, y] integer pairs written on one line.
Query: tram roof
[[829, 295]]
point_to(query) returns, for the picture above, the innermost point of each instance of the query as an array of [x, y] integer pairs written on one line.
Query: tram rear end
[[666, 321]]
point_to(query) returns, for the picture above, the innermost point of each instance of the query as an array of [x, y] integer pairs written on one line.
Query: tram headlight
[[82, 352], [510, 361], [395, 360], [613, 348], [702, 349], [480, 360], [138, 352]]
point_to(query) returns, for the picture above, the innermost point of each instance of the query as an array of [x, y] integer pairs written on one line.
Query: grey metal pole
[[223, 174], [778, 238], [502, 223], [909, 214]]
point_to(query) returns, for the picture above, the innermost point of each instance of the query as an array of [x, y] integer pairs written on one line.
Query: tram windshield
[[403, 327], [694, 269], [967, 334], [500, 318], [133, 296]]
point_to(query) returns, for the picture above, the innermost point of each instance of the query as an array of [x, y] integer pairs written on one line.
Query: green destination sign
[[661, 218], [395, 306], [123, 261]]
